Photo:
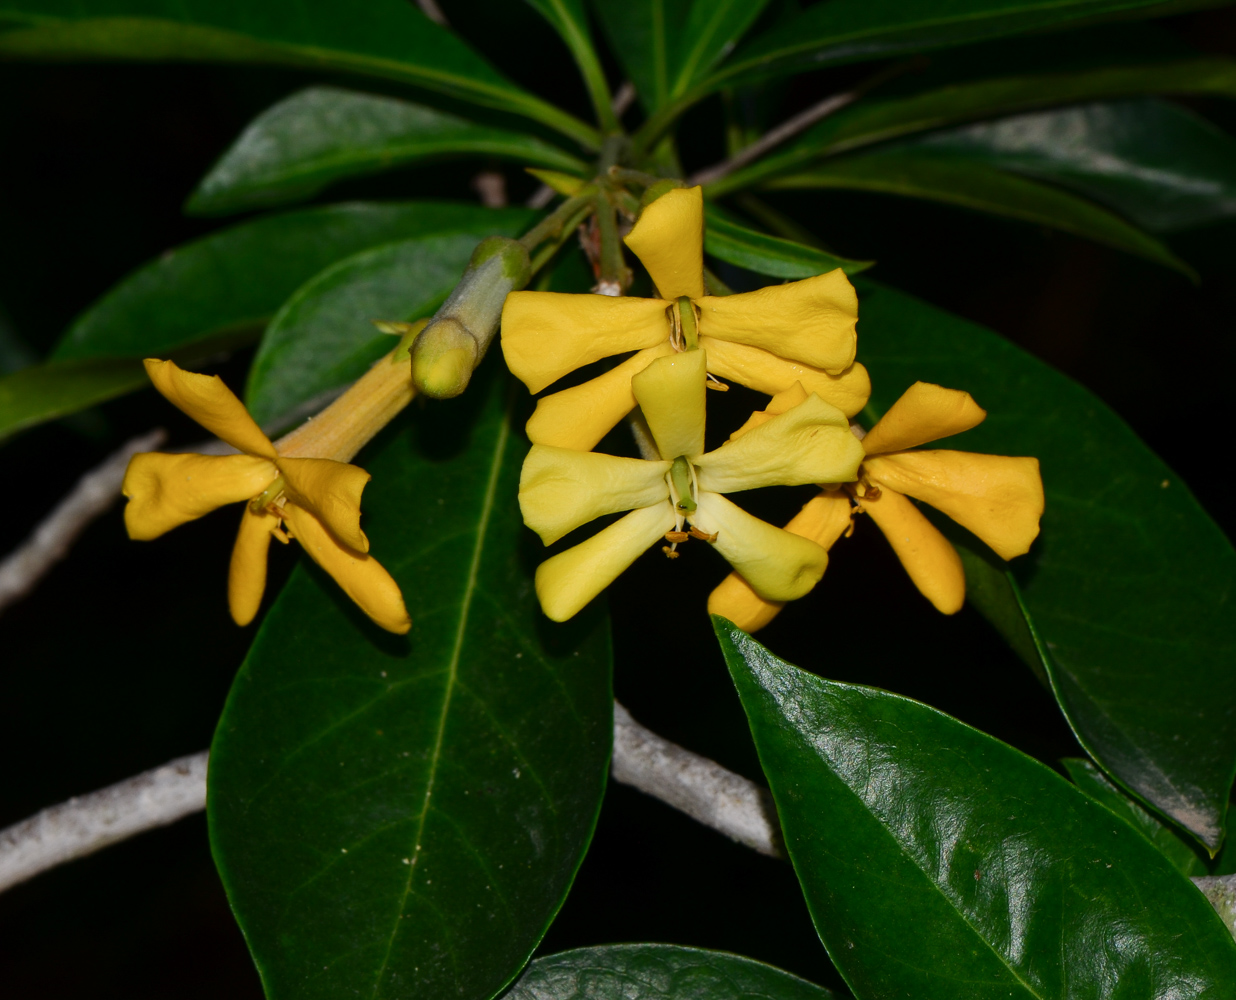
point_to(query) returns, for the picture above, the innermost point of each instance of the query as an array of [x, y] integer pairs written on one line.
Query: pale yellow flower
[[314, 500], [768, 339], [561, 489], [998, 498]]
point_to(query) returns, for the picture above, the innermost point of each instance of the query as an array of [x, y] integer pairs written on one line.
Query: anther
[[669, 552], [677, 537], [702, 535]]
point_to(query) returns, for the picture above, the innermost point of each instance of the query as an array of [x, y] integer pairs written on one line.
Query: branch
[[84, 825], [50, 542]]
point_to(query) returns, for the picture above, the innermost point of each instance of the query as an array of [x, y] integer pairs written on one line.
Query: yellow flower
[[998, 498], [561, 489], [767, 339], [314, 500]]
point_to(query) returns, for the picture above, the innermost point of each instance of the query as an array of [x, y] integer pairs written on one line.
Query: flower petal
[[580, 416], [212, 404], [332, 492], [165, 491], [671, 393], [246, 576], [999, 498], [765, 372], [560, 489], [811, 321], [546, 335], [778, 565], [925, 412], [361, 577], [565, 583], [929, 557], [780, 403], [810, 443], [824, 519], [668, 239]]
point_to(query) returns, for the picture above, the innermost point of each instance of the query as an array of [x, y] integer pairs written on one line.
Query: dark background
[[123, 656]]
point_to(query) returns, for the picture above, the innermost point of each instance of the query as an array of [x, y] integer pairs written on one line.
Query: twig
[[701, 788], [624, 97], [432, 11], [84, 825], [50, 542]]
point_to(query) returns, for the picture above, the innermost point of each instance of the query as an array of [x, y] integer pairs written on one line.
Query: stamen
[[703, 536], [269, 497], [678, 537], [715, 383], [669, 551], [687, 322]]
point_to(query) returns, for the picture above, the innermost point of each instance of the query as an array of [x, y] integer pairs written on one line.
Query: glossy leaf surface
[[402, 816], [1129, 577], [1155, 163], [1183, 853], [877, 119], [385, 38], [324, 134], [969, 183], [39, 393], [1015, 885], [712, 30], [323, 337], [646, 35], [657, 972], [736, 244], [570, 20]]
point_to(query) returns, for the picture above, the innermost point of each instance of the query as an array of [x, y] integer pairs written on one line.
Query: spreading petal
[[332, 492], [929, 557], [999, 498], [546, 335], [669, 241], [566, 582], [580, 416], [780, 566], [824, 519], [671, 393], [246, 576], [780, 403], [925, 412], [166, 491], [811, 321], [361, 577], [810, 443], [212, 404], [560, 489], [765, 372]]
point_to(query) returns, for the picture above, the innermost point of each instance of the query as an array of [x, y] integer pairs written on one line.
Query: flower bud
[[452, 345]]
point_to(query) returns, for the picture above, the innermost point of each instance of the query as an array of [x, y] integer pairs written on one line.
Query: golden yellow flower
[[561, 489], [998, 498], [767, 339], [314, 500]]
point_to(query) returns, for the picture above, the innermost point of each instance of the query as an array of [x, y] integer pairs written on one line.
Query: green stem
[[576, 37], [553, 224], [614, 270], [544, 255]]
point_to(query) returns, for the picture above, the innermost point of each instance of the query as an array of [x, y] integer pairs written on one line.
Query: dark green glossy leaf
[[570, 20], [324, 134], [385, 38], [878, 119], [40, 393], [1155, 163], [938, 862], [712, 30], [403, 816], [323, 337], [657, 972], [1129, 579], [734, 243], [968, 183], [646, 35], [1181, 852]]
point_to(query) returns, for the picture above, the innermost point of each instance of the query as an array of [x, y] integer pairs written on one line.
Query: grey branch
[[84, 825], [701, 788], [50, 542]]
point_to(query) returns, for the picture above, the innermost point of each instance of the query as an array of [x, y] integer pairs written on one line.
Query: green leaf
[[1157, 164], [323, 337], [713, 29], [570, 20], [384, 38], [40, 393], [403, 816], [1129, 578], [734, 243], [321, 135], [657, 972], [968, 183], [646, 35], [875, 119], [1181, 852], [938, 862]]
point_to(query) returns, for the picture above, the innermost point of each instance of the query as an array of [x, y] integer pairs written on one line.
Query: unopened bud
[[456, 339]]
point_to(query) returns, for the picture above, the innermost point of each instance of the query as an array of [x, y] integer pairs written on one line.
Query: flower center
[[269, 497], [684, 325]]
